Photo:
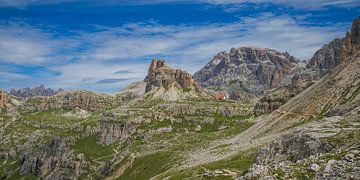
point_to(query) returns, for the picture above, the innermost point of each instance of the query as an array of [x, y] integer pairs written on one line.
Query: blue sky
[[105, 45]]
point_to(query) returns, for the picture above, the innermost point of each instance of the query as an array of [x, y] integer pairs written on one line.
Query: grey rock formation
[[292, 147], [163, 82], [327, 57], [275, 98], [35, 91], [254, 70], [114, 131], [70, 100], [54, 160], [161, 75]]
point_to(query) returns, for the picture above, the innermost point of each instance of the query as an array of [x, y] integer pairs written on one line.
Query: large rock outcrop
[[51, 161], [168, 83], [70, 100], [115, 130], [161, 75], [327, 57], [255, 70], [352, 40]]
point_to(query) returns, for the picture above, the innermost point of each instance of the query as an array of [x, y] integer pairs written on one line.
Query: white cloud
[[85, 75], [130, 47], [24, 44], [203, 41], [313, 4]]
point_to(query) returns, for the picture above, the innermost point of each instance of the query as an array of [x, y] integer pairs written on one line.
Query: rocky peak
[[256, 70], [352, 39], [161, 75], [355, 32], [327, 57]]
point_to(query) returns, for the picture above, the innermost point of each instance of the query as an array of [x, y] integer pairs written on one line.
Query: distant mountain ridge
[[35, 91]]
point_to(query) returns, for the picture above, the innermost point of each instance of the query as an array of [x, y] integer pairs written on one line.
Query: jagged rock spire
[[161, 75]]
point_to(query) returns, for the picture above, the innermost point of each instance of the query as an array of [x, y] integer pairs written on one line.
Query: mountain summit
[[168, 83], [253, 70]]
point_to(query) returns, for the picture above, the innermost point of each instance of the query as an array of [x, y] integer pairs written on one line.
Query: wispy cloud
[[195, 42], [98, 76], [112, 81], [315, 4], [21, 43]]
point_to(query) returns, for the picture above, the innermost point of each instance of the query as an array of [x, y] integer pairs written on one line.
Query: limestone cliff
[[70, 100], [168, 83], [161, 75], [327, 57], [254, 70]]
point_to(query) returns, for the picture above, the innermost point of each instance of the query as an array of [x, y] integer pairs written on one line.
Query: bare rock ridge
[[352, 39], [324, 60], [35, 91], [70, 100], [254, 70], [161, 75]]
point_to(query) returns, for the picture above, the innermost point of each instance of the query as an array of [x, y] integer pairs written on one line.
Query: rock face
[[88, 101], [292, 147], [4, 100], [327, 57], [279, 96], [169, 84], [115, 130], [70, 100], [160, 75], [352, 39], [255, 70], [54, 160], [36, 91]]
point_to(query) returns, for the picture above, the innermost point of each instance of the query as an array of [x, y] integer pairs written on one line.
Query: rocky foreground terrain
[[281, 118]]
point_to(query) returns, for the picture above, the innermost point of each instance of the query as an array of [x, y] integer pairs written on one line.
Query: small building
[[220, 96]]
